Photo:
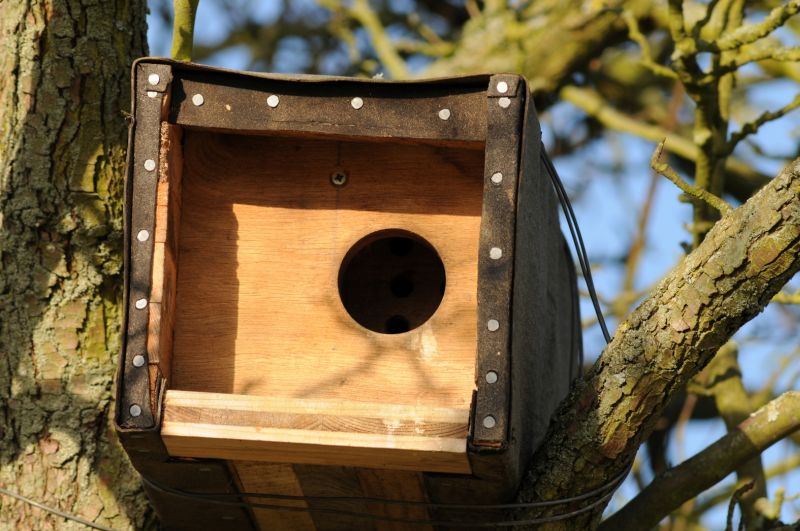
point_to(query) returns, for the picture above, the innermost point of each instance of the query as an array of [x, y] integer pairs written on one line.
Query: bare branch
[[742, 180], [385, 50], [752, 32], [183, 29], [647, 54], [667, 492], [694, 191], [767, 116]]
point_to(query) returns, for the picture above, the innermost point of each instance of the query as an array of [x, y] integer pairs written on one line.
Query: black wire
[[577, 239], [213, 498]]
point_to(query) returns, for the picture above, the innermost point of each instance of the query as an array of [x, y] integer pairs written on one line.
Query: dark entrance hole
[[391, 281]]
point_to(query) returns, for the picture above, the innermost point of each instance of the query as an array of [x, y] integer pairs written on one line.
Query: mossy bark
[[741, 264], [63, 92]]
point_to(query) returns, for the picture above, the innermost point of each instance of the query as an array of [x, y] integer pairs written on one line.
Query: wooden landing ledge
[[310, 431]]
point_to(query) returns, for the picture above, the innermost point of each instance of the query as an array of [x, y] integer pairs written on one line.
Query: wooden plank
[[274, 478], [315, 431], [165, 248], [335, 481], [263, 235], [395, 485]]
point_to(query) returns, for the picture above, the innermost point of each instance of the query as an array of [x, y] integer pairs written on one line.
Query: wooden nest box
[[338, 287]]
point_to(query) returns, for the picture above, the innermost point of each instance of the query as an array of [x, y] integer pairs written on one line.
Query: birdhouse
[[337, 288]]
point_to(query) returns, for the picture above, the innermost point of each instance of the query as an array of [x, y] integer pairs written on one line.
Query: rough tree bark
[[64, 85], [742, 263]]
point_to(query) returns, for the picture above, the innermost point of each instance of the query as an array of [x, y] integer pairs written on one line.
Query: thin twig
[[647, 55], [752, 32], [698, 193], [765, 117]]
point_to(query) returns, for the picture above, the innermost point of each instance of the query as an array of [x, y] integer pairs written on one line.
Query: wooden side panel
[[264, 233], [165, 251], [315, 431], [274, 478]]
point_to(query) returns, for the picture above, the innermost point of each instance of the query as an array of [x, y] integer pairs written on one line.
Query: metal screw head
[[198, 100], [497, 177], [489, 422], [141, 304], [152, 93], [505, 102], [153, 79], [138, 360], [149, 164], [493, 325], [495, 253], [502, 87], [135, 410], [142, 235], [491, 377], [444, 114], [273, 101], [338, 178], [357, 103]]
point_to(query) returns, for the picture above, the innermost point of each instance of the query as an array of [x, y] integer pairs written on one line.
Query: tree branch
[[752, 32], [183, 29], [693, 191], [727, 280], [761, 430], [742, 180]]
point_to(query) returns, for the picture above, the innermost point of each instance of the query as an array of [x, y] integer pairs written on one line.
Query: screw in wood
[[338, 178]]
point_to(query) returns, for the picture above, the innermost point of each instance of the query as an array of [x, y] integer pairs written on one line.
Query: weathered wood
[[317, 431]]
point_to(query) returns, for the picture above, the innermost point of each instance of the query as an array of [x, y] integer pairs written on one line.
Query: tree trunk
[[63, 92]]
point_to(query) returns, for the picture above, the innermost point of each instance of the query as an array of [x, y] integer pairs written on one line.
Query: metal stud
[[138, 360], [505, 102], [491, 377], [495, 253], [142, 235], [357, 103], [135, 410], [493, 325], [497, 177], [489, 422], [198, 100], [141, 304], [273, 101], [444, 114], [149, 164], [502, 87], [152, 93], [153, 79]]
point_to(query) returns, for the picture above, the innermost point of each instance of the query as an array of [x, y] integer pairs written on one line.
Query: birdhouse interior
[[321, 292]]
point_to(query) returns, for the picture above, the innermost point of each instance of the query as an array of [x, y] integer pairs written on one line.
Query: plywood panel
[[315, 431], [263, 234]]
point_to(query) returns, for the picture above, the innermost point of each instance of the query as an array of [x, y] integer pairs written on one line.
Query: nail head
[[273, 101], [141, 304], [153, 79], [495, 253], [491, 377], [138, 360], [150, 165], [493, 325], [142, 235], [444, 114], [357, 103], [502, 87], [505, 103], [489, 422], [152, 93], [198, 99], [135, 410]]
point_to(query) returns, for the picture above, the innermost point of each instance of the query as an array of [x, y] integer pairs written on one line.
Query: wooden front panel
[[263, 235]]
